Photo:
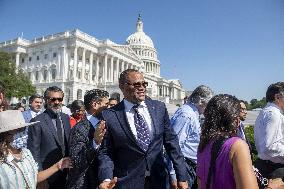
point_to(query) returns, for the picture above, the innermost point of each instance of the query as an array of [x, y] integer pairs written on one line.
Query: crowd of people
[[105, 143]]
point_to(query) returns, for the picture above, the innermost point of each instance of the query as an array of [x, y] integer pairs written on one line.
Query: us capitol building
[[78, 62]]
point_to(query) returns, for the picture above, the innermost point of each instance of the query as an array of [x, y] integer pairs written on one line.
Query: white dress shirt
[[94, 121], [143, 111], [34, 114], [269, 134]]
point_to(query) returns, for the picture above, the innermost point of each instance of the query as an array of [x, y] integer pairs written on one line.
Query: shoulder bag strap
[[25, 179]]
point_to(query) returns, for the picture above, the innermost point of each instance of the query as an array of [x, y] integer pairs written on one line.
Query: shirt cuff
[[95, 145], [173, 176]]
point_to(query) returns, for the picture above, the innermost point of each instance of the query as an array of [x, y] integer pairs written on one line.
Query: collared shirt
[[143, 111], [186, 124], [10, 175], [94, 121], [269, 134], [241, 132], [34, 114]]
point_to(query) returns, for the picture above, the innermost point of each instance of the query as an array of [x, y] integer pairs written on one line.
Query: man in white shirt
[[35, 102], [269, 131]]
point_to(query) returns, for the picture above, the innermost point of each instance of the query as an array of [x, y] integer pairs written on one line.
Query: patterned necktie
[[142, 129]]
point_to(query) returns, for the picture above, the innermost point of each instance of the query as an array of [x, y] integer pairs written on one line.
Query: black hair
[[94, 95], [273, 89], [76, 105], [52, 89], [33, 97], [113, 99], [220, 115], [123, 76]]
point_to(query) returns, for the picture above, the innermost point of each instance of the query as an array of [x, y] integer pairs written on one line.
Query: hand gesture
[[64, 163], [100, 132], [276, 184], [182, 185], [174, 184], [108, 184]]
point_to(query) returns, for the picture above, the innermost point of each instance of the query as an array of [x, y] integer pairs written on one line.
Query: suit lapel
[[121, 116], [51, 126]]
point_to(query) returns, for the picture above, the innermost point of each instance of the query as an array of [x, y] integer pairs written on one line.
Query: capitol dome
[[139, 37]]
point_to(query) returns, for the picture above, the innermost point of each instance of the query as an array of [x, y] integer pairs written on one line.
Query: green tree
[[16, 84]]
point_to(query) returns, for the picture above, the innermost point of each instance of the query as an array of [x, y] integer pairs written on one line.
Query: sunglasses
[[138, 84], [55, 99]]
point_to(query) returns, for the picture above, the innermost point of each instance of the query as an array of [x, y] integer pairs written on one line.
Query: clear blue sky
[[233, 46]]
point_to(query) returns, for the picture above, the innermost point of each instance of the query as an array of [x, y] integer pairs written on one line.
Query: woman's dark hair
[[3, 146], [76, 105], [220, 115]]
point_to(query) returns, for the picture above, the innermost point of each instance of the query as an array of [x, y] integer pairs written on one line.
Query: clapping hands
[[100, 132]]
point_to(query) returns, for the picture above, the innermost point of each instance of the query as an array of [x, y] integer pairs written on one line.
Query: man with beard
[[85, 139], [35, 102], [48, 142], [243, 115]]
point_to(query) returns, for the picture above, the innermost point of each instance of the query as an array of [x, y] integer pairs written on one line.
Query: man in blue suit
[[35, 102], [48, 141], [131, 154]]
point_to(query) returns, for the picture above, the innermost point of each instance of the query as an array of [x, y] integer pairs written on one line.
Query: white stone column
[[83, 64], [117, 70], [122, 65], [91, 68], [97, 69], [75, 64], [65, 63], [105, 69], [17, 61], [111, 69]]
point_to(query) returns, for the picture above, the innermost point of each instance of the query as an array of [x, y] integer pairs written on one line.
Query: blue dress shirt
[[186, 124]]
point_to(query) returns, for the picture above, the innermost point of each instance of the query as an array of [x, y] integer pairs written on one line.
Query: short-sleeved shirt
[[12, 178]]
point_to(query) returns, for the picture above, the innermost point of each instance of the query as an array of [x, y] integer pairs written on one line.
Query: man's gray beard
[[56, 111]]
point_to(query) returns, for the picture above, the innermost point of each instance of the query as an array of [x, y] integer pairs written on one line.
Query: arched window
[[79, 94], [67, 96], [36, 76], [45, 75], [53, 72], [30, 75]]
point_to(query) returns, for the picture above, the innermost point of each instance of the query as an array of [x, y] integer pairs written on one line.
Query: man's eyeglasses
[[55, 99], [138, 84]]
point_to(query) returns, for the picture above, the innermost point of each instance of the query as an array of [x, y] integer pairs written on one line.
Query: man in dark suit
[[131, 154], [35, 102], [48, 142], [85, 138]]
